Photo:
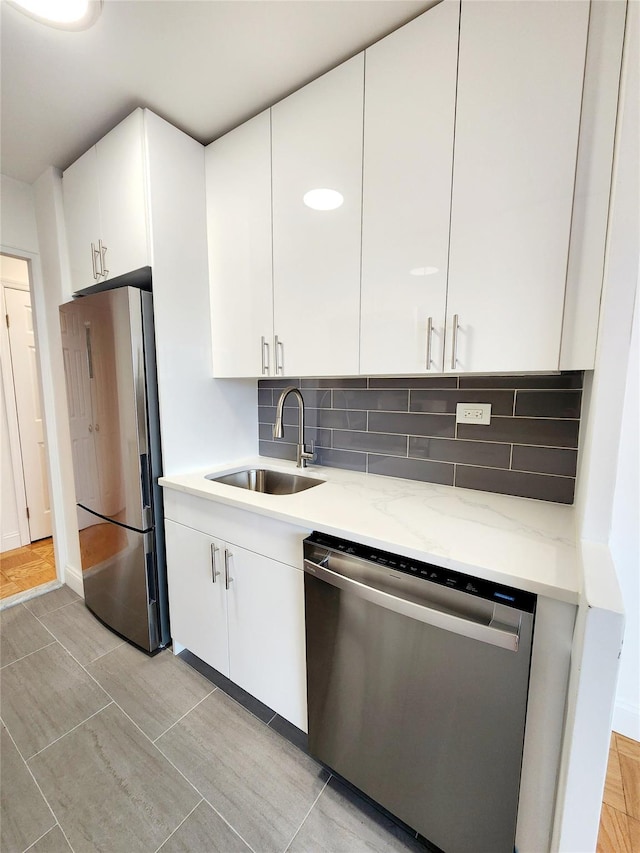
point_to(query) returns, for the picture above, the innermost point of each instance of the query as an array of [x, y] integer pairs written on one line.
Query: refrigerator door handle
[[152, 588], [145, 480]]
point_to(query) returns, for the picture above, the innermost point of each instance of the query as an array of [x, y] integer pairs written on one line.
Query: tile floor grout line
[[173, 832], [104, 654], [57, 823], [175, 766], [175, 723], [34, 652], [77, 726], [231, 827], [42, 794], [311, 808], [55, 609], [33, 843]]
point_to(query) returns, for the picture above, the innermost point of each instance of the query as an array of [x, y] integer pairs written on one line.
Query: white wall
[[17, 217], [19, 236], [604, 491], [624, 544], [609, 544], [48, 295]]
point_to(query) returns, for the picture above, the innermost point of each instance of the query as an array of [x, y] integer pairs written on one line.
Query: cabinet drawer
[[275, 539]]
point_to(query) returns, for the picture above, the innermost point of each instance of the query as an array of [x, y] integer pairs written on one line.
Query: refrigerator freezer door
[[104, 359], [120, 583]]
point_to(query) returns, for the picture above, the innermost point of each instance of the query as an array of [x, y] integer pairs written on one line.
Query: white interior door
[[27, 391]]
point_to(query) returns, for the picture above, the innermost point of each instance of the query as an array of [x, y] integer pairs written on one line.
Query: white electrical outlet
[[473, 413]]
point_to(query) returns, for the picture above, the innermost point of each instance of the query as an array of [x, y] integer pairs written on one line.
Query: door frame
[[47, 392], [6, 378]]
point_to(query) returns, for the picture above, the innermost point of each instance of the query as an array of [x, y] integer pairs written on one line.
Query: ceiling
[[204, 65]]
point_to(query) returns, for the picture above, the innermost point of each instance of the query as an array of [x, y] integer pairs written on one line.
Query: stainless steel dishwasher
[[417, 682]]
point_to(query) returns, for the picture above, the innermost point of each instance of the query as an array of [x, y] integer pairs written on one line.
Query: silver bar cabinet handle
[[214, 573], [103, 251], [454, 344], [94, 252], [429, 336], [265, 355], [228, 580], [279, 347]]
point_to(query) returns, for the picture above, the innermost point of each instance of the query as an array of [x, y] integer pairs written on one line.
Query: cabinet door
[[238, 168], [122, 186], [266, 632], [410, 92], [197, 604], [82, 218], [520, 79], [317, 144]]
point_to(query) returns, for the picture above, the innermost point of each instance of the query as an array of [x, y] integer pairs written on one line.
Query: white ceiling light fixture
[[62, 14], [323, 199]]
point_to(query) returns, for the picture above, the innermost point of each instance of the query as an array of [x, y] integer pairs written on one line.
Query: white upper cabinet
[[238, 167], [105, 206], [410, 91], [520, 77], [82, 218], [317, 144], [122, 186]]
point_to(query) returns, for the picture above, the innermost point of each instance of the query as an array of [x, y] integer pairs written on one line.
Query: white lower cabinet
[[242, 613]]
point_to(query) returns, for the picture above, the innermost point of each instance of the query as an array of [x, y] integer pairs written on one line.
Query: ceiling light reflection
[[323, 199], [424, 271]]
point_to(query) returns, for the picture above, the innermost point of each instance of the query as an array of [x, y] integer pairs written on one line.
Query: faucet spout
[[278, 428]]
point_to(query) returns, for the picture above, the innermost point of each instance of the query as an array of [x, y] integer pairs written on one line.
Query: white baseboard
[[626, 720], [73, 579]]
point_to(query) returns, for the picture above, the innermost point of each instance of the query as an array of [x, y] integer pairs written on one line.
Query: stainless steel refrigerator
[[109, 360]]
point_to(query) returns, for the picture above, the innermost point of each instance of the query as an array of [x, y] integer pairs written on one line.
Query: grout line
[[55, 609], [24, 657], [104, 654], [275, 714], [175, 723], [173, 832], [95, 714], [313, 804], [44, 834], [30, 772], [231, 827]]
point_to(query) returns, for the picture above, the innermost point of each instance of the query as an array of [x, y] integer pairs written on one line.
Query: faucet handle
[[304, 455]]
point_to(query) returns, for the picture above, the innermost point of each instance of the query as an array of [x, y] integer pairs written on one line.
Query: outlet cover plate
[[473, 413]]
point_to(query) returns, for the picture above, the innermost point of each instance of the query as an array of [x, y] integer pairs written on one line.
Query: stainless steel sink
[[266, 481]]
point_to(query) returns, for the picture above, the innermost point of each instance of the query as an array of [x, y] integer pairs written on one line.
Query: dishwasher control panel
[[489, 590]]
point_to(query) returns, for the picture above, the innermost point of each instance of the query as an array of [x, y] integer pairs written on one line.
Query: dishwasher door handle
[[505, 637]]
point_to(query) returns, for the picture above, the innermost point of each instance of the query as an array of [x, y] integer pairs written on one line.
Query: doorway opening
[[26, 544]]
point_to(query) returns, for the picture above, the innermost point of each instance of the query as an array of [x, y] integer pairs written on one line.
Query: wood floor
[[620, 817], [24, 568]]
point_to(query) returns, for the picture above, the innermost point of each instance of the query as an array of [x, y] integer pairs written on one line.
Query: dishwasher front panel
[[427, 722]]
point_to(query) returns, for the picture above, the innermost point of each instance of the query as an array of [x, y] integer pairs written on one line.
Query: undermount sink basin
[[266, 481]]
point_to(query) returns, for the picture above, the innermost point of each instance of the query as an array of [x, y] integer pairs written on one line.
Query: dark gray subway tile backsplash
[[445, 401], [405, 427]]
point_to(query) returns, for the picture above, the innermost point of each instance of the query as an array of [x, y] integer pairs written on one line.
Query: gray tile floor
[[107, 749]]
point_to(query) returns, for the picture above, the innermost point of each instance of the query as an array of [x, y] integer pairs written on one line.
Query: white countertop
[[524, 543]]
